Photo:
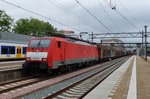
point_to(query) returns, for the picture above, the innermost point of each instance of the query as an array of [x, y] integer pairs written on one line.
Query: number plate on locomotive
[[35, 58]]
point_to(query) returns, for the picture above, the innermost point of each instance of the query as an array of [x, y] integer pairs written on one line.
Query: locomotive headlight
[[28, 58], [44, 59]]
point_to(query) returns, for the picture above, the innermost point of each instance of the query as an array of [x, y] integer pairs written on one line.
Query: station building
[[118, 43]]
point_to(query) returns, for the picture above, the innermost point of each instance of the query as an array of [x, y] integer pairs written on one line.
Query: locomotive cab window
[[59, 44], [39, 43]]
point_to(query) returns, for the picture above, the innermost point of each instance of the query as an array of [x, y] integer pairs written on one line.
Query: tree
[[22, 27], [5, 21], [33, 27]]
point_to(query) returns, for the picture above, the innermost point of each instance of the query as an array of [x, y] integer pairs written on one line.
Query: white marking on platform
[[132, 93], [109, 98], [111, 94], [113, 91]]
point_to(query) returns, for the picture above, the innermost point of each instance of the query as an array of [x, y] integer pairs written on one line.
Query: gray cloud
[[139, 9]]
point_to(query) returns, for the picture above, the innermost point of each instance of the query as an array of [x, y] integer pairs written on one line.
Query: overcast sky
[[135, 11]]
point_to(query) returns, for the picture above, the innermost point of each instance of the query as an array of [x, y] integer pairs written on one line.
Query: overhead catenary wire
[[119, 13], [128, 12], [75, 14], [61, 7], [52, 2], [93, 16], [40, 15], [126, 19], [109, 16]]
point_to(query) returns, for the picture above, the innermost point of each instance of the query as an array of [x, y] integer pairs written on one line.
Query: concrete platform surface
[[103, 90], [130, 81]]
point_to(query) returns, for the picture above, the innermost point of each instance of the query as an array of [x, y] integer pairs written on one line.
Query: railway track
[[79, 85], [79, 89], [21, 82], [56, 88], [24, 81]]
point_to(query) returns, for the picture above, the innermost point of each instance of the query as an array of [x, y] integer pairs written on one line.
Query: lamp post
[[142, 52], [145, 42]]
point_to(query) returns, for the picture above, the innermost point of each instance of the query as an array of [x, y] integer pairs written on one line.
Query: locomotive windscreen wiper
[[39, 44]]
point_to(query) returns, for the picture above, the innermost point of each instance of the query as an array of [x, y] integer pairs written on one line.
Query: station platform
[[130, 81]]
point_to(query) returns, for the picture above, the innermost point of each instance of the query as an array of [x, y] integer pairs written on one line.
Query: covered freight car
[[103, 52], [106, 52]]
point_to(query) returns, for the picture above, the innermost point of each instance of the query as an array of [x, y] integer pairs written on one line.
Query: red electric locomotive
[[54, 52]]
